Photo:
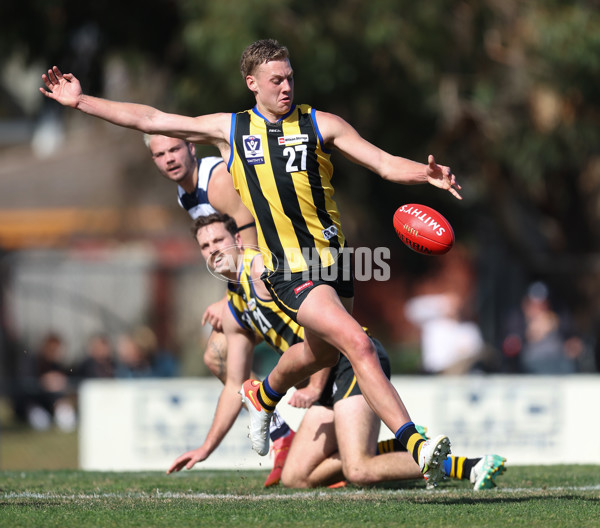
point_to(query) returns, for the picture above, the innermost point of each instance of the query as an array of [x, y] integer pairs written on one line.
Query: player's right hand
[[63, 88], [187, 460]]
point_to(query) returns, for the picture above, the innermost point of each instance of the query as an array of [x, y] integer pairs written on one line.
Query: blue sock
[[447, 466], [267, 397], [411, 439], [402, 429], [274, 395]]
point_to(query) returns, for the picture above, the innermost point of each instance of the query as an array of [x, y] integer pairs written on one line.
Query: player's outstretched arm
[[209, 129], [341, 135], [240, 347], [225, 199]]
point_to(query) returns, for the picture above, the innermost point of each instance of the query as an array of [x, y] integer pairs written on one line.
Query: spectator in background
[[99, 361], [139, 356], [45, 394], [449, 345], [538, 339]]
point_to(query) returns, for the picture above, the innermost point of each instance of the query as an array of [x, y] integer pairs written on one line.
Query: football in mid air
[[423, 229]]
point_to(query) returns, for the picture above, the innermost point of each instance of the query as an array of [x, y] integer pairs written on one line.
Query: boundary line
[[296, 495]]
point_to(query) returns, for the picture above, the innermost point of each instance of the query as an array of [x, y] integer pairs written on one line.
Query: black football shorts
[[342, 383]]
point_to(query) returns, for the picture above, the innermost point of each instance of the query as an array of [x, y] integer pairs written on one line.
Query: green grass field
[[548, 496]]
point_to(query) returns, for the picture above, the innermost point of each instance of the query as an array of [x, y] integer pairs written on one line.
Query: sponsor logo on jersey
[[299, 289], [293, 140], [251, 304], [253, 150]]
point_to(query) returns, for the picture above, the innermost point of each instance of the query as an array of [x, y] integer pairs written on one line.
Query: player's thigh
[[323, 315], [314, 442], [357, 429]]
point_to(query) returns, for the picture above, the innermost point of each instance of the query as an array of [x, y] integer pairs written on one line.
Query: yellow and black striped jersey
[[283, 175], [261, 316]]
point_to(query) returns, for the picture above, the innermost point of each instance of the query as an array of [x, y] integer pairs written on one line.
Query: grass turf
[[549, 496]]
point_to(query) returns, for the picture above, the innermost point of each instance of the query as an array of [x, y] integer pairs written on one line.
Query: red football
[[423, 229]]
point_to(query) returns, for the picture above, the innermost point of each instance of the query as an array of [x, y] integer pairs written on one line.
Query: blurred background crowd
[[99, 277]]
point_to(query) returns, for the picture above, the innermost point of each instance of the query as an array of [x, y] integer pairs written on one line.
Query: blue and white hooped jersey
[[197, 204]]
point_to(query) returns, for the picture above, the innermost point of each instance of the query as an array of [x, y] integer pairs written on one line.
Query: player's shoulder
[[254, 262], [210, 161], [330, 125]]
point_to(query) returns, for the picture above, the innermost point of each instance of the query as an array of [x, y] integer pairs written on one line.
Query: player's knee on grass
[[358, 476], [291, 478]]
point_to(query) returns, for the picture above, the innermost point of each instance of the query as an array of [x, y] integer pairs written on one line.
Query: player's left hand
[[63, 88], [442, 177]]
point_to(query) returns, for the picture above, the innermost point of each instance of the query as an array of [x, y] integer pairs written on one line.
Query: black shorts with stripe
[[342, 383], [289, 289]]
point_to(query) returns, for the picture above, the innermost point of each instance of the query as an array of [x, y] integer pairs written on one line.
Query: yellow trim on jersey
[[262, 316], [281, 300], [350, 388]]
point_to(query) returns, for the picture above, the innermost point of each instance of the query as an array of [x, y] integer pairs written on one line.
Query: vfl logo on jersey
[[330, 232], [293, 140], [253, 150]]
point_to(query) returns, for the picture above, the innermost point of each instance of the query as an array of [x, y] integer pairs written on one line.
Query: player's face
[[273, 85], [174, 158], [220, 249]]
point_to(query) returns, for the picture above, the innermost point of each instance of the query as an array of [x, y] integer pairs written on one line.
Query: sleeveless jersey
[[196, 203], [283, 175], [261, 316]]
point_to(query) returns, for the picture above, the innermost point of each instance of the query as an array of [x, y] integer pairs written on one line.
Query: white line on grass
[[299, 494]]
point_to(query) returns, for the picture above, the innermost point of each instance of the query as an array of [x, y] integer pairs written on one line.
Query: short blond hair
[[147, 138], [260, 52]]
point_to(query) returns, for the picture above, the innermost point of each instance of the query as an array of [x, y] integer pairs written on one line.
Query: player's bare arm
[[210, 129], [240, 347], [213, 314], [224, 198], [339, 134]]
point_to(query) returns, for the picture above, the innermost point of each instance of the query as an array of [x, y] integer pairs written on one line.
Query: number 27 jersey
[[283, 172]]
